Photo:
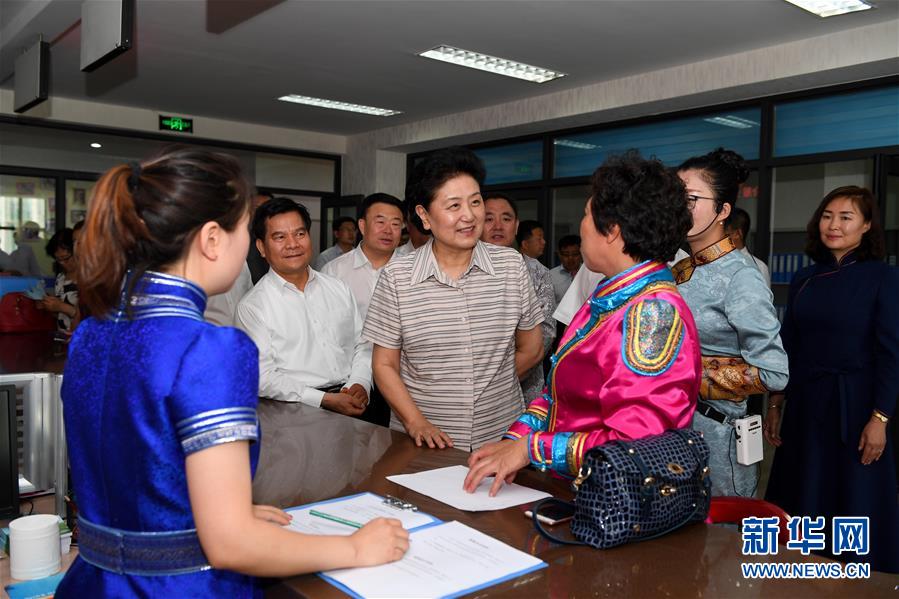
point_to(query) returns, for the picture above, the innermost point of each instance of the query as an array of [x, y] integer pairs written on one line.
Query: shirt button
[[463, 319], [467, 380]]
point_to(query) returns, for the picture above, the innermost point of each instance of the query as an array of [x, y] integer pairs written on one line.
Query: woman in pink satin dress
[[628, 366]]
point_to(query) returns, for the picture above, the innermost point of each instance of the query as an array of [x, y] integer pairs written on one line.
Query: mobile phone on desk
[[553, 514]]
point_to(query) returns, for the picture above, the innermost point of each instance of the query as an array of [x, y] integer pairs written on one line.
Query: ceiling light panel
[[732, 121], [491, 64], [577, 145], [337, 105], [831, 8]]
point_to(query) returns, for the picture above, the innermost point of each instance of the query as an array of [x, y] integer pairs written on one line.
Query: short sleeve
[[213, 400], [531, 310], [382, 323]]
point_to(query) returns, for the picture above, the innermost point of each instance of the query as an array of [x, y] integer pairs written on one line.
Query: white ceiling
[[364, 51]]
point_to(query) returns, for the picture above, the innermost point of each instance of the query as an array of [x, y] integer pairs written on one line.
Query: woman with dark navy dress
[[160, 406], [841, 331]]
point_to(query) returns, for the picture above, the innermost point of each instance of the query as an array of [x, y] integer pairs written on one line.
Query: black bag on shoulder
[[631, 491]]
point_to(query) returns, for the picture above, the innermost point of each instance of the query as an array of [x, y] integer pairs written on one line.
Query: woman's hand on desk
[[503, 460], [380, 541], [271, 514], [423, 431]]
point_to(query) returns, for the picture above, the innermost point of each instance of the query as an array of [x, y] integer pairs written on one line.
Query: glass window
[[568, 210], [513, 163], [891, 216], [748, 200], [78, 196], [797, 192], [27, 218], [867, 119], [672, 142]]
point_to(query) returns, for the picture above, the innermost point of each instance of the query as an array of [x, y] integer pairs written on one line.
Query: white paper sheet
[[360, 508], [445, 485], [444, 560]]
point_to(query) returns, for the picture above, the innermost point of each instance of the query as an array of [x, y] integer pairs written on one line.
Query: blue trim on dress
[[214, 427], [158, 295]]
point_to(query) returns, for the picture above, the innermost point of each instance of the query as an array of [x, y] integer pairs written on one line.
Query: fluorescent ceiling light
[[491, 64], [577, 145], [96, 145], [732, 121], [336, 105], [831, 8]]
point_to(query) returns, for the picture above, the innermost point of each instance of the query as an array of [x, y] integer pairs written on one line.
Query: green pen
[[335, 519]]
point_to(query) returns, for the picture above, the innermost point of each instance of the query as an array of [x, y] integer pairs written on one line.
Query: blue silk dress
[[144, 388], [841, 330]]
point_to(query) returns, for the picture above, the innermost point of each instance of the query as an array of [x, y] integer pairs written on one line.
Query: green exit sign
[[176, 123]]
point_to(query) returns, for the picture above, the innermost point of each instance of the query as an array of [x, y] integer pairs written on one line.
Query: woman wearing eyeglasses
[[739, 333], [64, 301]]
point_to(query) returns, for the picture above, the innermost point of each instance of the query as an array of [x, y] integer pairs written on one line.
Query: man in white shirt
[[737, 227], [569, 252], [381, 225], [305, 324], [344, 229], [418, 236]]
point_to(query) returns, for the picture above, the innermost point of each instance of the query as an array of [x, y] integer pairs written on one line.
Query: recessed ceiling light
[[831, 8], [96, 145], [577, 145], [336, 105], [491, 64], [732, 121]]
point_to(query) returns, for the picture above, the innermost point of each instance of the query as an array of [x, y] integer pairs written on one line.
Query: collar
[[158, 294], [425, 264], [683, 270], [359, 257], [849, 258], [280, 282], [615, 292]]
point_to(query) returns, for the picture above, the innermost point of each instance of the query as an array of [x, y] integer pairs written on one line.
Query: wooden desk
[[309, 454]]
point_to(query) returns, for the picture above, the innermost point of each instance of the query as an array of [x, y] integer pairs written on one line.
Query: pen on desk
[[325, 516]]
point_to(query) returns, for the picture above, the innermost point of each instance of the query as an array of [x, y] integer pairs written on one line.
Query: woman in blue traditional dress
[[732, 304], [160, 407], [841, 330]]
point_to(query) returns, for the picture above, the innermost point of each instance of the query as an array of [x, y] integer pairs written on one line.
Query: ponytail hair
[[143, 216], [724, 170]]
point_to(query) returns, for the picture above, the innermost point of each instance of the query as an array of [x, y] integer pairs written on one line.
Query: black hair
[[568, 241], [144, 215], [78, 226], [872, 246], [61, 240], [380, 198], [739, 221], [724, 170], [340, 221], [274, 207], [438, 168], [525, 229], [502, 196], [646, 200]]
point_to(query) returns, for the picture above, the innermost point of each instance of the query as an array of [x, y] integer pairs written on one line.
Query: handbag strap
[[539, 525]]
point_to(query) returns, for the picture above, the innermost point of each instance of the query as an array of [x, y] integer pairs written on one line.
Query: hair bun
[[733, 161]]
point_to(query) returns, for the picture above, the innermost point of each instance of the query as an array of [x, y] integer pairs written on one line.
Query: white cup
[[34, 546]]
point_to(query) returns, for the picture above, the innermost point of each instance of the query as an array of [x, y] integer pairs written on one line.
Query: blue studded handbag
[[631, 491]]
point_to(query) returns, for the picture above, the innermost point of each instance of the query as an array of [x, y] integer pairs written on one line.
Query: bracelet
[[880, 416], [775, 406]]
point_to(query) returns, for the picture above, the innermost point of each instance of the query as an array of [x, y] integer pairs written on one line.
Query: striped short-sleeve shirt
[[457, 338]]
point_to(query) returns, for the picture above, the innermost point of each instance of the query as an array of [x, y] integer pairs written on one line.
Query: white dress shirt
[[406, 248], [584, 284], [307, 340], [763, 268], [221, 309], [561, 280], [335, 251], [355, 269]]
